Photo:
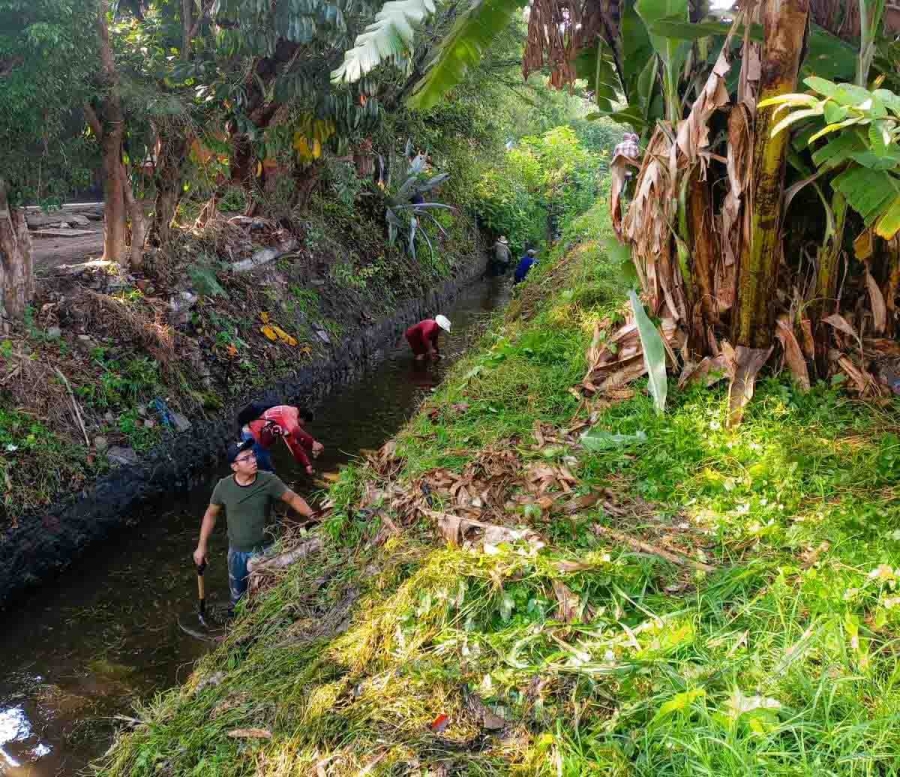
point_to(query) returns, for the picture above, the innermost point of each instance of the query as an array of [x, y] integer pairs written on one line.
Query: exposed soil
[[49, 253]]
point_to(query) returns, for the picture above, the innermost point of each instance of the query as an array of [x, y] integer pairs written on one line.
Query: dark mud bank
[[46, 541]]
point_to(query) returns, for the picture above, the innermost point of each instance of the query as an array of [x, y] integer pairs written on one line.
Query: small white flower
[[882, 572]]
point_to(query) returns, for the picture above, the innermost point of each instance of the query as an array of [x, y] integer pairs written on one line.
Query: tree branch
[[204, 15], [8, 65], [93, 121]]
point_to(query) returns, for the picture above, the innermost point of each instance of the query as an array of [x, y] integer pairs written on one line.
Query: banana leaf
[[654, 353], [462, 48]]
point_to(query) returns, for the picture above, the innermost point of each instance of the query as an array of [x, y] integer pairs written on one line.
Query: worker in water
[[525, 264], [501, 259], [265, 424], [423, 337], [248, 497]]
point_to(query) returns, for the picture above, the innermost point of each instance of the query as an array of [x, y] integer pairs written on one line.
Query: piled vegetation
[[528, 582]]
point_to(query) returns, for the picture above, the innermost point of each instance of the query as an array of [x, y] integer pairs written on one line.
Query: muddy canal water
[[85, 649]]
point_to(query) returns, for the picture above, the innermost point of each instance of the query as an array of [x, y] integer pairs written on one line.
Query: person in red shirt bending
[[423, 337], [265, 424]]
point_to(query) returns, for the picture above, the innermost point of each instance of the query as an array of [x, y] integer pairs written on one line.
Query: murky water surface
[[79, 653]]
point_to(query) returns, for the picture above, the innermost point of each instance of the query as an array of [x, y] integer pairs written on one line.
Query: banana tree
[[862, 133], [705, 226], [406, 207], [853, 135]]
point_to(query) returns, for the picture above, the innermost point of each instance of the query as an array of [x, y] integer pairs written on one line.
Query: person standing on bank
[[423, 337], [248, 497]]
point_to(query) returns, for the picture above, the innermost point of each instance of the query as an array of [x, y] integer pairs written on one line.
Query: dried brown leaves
[[670, 158], [148, 328], [557, 32], [744, 365], [265, 571], [618, 360], [793, 355], [465, 532]]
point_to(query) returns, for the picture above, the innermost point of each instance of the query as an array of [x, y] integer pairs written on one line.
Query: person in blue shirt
[[525, 264]]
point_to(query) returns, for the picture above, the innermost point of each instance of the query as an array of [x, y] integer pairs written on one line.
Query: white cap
[[443, 322]]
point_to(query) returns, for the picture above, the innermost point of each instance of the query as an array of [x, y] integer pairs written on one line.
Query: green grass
[[781, 660], [52, 462]]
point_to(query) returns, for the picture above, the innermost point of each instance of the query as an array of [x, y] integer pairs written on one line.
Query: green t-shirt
[[247, 508]]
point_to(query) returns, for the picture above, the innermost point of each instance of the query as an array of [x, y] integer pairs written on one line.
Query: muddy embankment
[[46, 540]]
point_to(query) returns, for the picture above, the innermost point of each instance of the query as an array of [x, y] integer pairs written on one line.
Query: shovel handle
[[201, 587]]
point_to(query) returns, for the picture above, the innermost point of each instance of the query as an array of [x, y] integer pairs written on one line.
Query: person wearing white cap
[[423, 337], [501, 256]]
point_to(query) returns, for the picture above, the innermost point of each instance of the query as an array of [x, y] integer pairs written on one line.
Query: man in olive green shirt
[[248, 497]]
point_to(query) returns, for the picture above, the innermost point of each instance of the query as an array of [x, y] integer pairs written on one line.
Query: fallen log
[[66, 232], [69, 207], [262, 564], [264, 256]]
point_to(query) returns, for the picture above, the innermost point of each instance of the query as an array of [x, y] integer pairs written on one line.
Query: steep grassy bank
[[664, 597]]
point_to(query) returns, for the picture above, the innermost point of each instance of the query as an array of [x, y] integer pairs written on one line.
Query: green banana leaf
[[654, 353], [462, 48]]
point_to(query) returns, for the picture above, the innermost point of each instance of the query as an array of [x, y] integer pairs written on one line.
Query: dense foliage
[[44, 76], [540, 183]]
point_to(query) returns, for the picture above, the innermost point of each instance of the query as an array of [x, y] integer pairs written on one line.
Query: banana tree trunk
[[825, 299], [704, 248], [892, 286], [785, 24]]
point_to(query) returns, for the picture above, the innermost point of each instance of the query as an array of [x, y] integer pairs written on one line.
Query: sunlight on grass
[[774, 653]]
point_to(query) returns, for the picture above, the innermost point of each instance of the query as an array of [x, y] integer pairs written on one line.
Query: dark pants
[[417, 343], [496, 268], [263, 455], [237, 571]]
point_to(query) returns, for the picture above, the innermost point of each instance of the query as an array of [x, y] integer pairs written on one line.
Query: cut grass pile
[[719, 602]]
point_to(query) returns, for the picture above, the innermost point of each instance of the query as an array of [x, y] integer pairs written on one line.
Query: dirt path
[[51, 252]]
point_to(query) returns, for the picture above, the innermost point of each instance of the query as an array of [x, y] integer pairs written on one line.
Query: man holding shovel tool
[[248, 496]]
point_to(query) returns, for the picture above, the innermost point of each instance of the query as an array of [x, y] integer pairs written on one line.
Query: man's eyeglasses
[[241, 459]]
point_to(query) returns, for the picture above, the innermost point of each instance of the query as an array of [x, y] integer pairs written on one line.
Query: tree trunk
[[16, 268], [824, 301], [172, 150], [138, 222], [113, 196], [892, 286], [785, 26], [187, 12], [111, 145], [829, 254], [305, 182]]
